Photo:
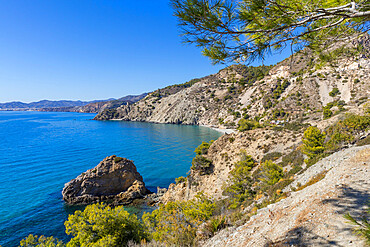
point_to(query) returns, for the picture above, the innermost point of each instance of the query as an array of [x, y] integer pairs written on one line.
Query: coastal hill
[[294, 89], [262, 176], [97, 106], [17, 105], [69, 105], [293, 171]]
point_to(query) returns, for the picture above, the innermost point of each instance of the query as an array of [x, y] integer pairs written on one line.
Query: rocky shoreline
[[114, 180]]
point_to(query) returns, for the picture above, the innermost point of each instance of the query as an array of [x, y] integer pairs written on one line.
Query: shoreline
[[223, 131]]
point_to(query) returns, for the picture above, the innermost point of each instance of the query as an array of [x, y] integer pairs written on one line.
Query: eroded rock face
[[115, 180]]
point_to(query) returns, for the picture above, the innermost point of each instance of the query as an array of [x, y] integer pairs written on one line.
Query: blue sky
[[88, 49]]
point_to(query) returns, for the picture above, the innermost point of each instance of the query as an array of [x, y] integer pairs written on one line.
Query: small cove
[[41, 151]]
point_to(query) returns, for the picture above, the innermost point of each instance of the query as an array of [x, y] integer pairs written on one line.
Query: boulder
[[114, 180]]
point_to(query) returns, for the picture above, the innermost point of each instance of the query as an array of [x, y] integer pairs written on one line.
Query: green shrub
[[295, 126], [236, 114], [239, 187], [245, 124], [362, 227], [280, 88], [176, 223], [278, 113], [42, 241], [203, 148], [313, 142], [100, 225], [344, 131], [327, 113], [271, 156], [215, 224], [275, 191], [271, 173], [180, 180], [226, 97], [295, 169], [117, 159], [334, 92], [202, 164], [314, 160]]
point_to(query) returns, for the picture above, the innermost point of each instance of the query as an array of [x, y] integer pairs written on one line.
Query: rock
[[114, 180], [161, 191]]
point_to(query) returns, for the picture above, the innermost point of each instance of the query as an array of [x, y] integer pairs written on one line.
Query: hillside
[[71, 106], [97, 106], [296, 162], [312, 216], [304, 206], [267, 188], [16, 105], [296, 89]]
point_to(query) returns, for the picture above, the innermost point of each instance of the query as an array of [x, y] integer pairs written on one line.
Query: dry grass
[[313, 180]]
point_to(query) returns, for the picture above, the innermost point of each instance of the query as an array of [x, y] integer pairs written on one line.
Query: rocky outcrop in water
[[114, 180]]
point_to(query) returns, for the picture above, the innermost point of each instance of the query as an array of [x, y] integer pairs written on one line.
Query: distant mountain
[[99, 106], [71, 106], [41, 104]]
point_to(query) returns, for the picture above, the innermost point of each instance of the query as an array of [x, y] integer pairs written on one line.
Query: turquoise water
[[41, 151]]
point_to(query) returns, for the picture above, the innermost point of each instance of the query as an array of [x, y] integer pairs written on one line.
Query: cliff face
[[225, 152], [276, 143], [298, 87], [221, 100]]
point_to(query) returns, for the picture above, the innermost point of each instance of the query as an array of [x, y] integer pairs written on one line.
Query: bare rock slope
[[312, 216], [224, 153], [296, 88], [115, 179]]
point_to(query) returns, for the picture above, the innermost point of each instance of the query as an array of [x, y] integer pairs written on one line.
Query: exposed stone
[[114, 180], [224, 154], [222, 99]]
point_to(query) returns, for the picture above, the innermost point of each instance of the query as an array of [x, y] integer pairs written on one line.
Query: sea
[[41, 151]]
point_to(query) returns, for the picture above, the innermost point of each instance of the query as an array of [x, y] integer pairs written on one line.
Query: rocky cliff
[[297, 88], [280, 144], [307, 206], [280, 102], [114, 179]]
